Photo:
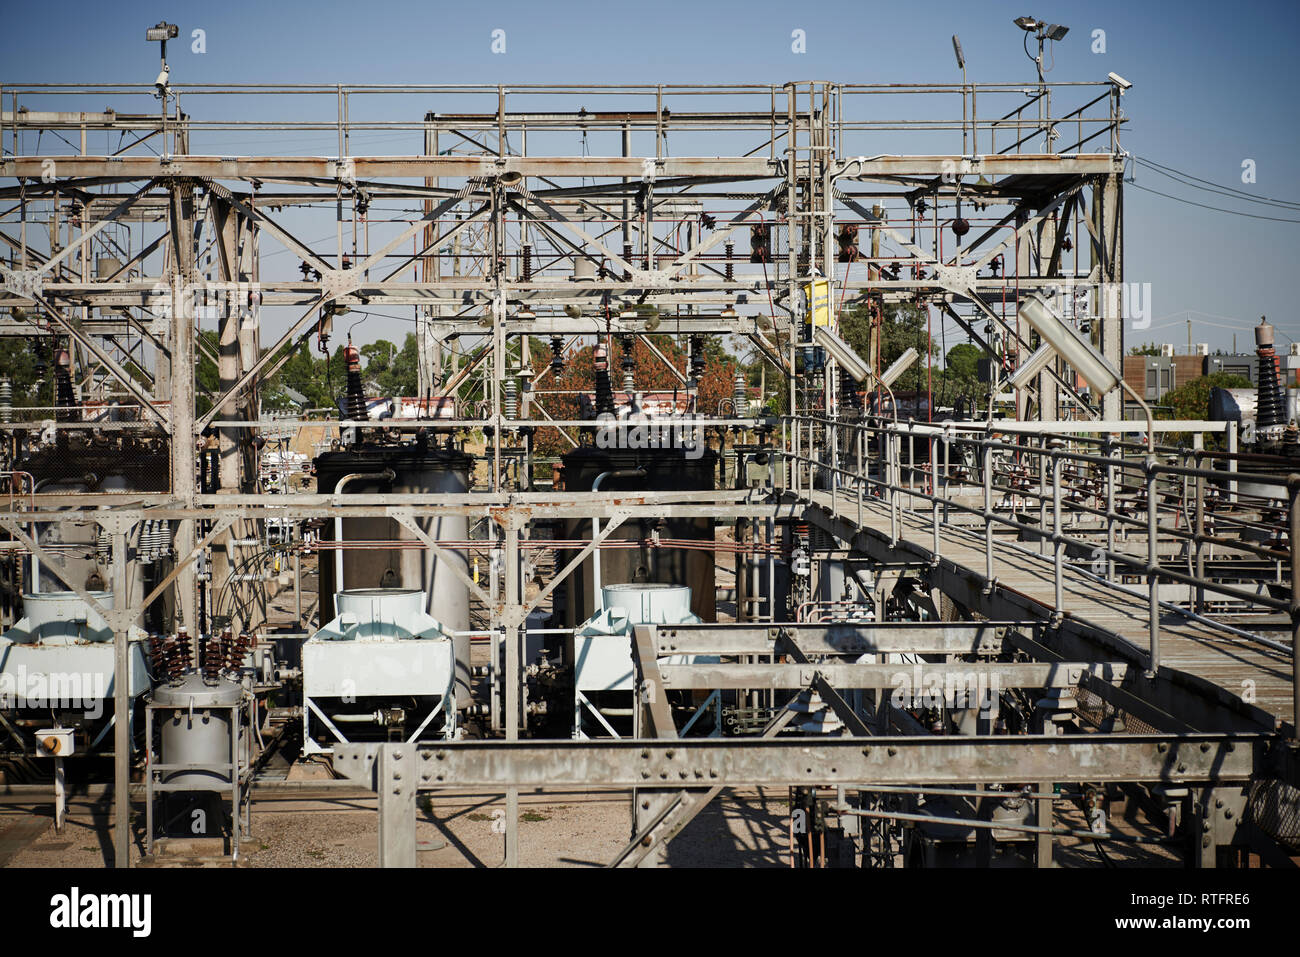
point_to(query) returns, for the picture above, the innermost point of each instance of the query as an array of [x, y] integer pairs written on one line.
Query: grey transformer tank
[[414, 468], [665, 469]]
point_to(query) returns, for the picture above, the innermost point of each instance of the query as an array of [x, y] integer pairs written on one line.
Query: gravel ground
[[556, 830], [740, 829]]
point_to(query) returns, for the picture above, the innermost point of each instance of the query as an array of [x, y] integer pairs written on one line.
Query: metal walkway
[[1238, 678]]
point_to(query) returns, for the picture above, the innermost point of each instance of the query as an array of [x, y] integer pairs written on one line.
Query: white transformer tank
[[381, 654], [59, 657], [602, 645], [603, 676]]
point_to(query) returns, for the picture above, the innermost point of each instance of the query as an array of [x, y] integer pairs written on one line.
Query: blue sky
[[1213, 84]]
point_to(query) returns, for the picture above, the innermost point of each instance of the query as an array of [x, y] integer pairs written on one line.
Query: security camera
[[1119, 81], [160, 84]]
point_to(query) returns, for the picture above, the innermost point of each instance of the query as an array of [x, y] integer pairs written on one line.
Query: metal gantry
[[582, 212]]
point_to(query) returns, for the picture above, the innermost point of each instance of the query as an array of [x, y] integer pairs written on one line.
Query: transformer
[[58, 660], [416, 468], [381, 667], [601, 650], [666, 469]]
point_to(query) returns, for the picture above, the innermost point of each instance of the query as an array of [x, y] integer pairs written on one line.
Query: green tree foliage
[[961, 374], [390, 371], [18, 359], [207, 378], [1145, 349], [1191, 400]]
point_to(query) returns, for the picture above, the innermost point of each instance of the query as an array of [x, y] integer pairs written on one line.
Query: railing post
[[1153, 559], [1042, 493], [1198, 604], [834, 429], [1057, 544], [1110, 511], [987, 446], [894, 496], [947, 473], [1294, 490], [861, 469], [934, 491]]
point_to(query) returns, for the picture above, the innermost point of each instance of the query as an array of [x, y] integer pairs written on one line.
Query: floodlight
[[956, 48], [1028, 24], [1033, 366], [1056, 31], [899, 366], [163, 32], [1069, 344]]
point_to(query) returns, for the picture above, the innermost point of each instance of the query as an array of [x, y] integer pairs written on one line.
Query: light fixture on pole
[[899, 366], [161, 33], [1044, 32]]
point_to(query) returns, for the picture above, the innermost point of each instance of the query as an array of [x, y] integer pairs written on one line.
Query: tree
[[1146, 349], [1191, 400], [18, 360], [306, 373], [960, 373], [390, 371]]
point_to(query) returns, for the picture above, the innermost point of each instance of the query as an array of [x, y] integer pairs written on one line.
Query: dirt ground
[[745, 828], [556, 830]]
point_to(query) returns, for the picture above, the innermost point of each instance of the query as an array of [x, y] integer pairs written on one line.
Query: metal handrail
[[890, 488]]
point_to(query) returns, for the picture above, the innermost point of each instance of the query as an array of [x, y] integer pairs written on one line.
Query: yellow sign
[[818, 295]]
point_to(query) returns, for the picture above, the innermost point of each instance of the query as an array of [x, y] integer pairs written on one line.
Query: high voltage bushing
[[356, 402], [512, 399]]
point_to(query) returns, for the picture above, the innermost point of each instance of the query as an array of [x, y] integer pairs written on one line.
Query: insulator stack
[[103, 548], [850, 401], [1271, 408], [512, 399], [557, 355], [214, 656], [175, 658], [526, 262], [64, 397], [157, 653], [147, 538], [238, 651], [628, 363], [356, 401], [6, 400], [697, 357], [729, 267], [604, 389], [740, 394], [627, 257]]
